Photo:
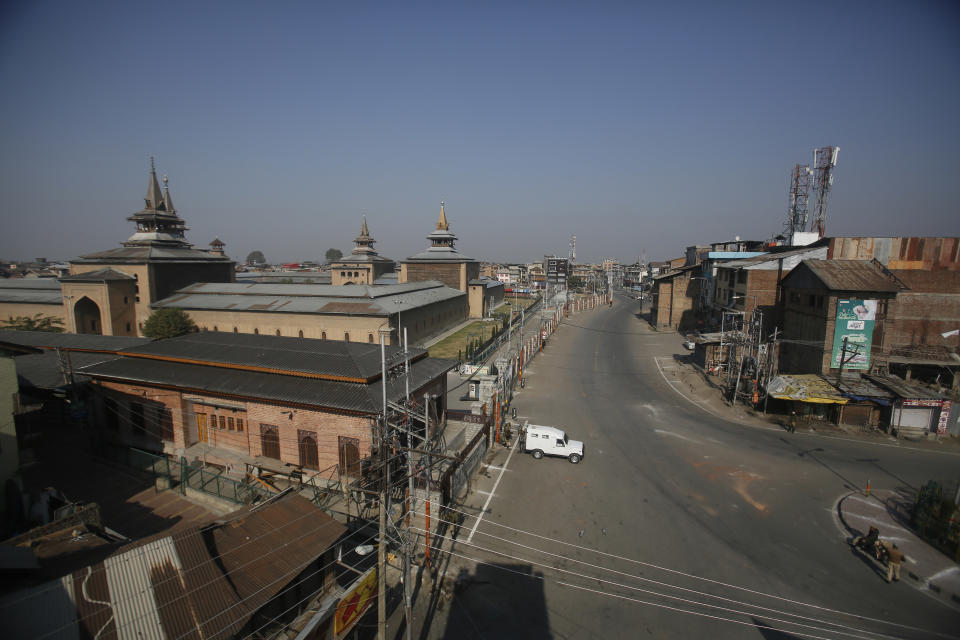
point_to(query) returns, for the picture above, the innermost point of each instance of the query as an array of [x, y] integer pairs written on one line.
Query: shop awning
[[807, 387]]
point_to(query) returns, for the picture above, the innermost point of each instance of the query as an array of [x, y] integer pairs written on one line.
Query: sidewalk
[[924, 566]]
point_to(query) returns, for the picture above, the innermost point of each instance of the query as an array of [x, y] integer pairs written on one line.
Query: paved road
[[671, 503]]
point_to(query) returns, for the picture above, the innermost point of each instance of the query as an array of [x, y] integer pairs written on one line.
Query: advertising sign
[[354, 604], [944, 418], [855, 320]]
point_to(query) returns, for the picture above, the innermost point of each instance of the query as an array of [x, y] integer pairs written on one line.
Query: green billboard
[[855, 319]]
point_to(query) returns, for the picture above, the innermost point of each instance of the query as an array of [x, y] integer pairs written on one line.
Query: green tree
[[256, 257], [39, 322], [168, 323], [333, 255]]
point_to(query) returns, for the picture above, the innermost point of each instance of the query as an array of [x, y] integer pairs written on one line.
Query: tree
[[168, 323], [333, 255], [256, 257], [39, 322]]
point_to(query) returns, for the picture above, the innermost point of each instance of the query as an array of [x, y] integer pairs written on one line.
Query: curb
[[921, 581]]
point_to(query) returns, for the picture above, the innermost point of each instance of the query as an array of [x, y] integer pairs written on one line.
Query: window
[[300, 333], [230, 424], [223, 422], [370, 338], [343, 274], [256, 331], [794, 297], [323, 335], [239, 424], [235, 330], [346, 337], [742, 276], [138, 299], [811, 300], [128, 326], [278, 331]]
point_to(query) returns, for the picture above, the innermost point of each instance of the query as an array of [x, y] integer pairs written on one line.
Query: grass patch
[[456, 343]]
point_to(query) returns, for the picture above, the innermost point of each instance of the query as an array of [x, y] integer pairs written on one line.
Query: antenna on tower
[[799, 196], [573, 250], [824, 160]]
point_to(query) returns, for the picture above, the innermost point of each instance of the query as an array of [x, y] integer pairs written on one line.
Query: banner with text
[[855, 320]]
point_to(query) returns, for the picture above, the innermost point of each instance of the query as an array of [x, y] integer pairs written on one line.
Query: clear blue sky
[[632, 125]]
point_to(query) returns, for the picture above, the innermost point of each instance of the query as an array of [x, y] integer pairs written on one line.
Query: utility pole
[[844, 359], [381, 547], [771, 349]]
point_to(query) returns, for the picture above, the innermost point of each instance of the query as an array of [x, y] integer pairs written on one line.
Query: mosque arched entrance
[[86, 315]]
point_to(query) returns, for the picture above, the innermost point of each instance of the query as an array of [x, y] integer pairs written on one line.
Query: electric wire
[[656, 582], [665, 606], [695, 577]]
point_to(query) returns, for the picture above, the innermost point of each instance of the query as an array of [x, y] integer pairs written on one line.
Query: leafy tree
[[256, 257], [333, 255], [39, 322], [168, 323]]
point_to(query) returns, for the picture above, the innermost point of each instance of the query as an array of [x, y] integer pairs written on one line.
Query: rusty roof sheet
[[852, 275], [203, 583], [905, 389]]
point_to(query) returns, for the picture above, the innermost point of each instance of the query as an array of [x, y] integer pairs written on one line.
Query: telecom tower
[[799, 195], [573, 250], [824, 160]]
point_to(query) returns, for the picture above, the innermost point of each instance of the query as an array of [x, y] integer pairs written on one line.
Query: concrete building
[[30, 297]]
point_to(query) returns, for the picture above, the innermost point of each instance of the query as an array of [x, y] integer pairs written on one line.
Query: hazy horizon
[[633, 127]]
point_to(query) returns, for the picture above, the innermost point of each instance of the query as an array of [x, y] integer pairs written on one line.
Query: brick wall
[[448, 274]]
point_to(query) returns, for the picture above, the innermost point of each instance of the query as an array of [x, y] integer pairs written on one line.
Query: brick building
[[895, 320], [673, 296], [273, 401]]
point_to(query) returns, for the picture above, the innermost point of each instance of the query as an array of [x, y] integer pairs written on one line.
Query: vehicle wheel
[[537, 454], [574, 458]]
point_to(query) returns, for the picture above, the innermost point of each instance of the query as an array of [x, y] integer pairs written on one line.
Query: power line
[[693, 576]]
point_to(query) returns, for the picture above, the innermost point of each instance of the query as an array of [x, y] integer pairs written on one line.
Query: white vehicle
[[542, 441]]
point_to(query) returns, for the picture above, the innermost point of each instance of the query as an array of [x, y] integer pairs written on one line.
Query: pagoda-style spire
[[158, 224], [153, 199], [364, 241], [216, 247], [167, 200], [442, 222]]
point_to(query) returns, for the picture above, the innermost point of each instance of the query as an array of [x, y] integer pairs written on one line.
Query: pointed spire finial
[[442, 222], [154, 198], [363, 227]]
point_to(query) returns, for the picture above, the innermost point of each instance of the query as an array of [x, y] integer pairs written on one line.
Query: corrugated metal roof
[[139, 254], [203, 583], [861, 387], [334, 358], [43, 370], [349, 396], [49, 284], [905, 389], [31, 296], [72, 341], [370, 300], [100, 275], [851, 275], [790, 258]]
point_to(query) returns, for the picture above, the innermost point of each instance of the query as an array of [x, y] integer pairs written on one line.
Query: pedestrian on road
[[869, 542], [792, 423], [896, 557]]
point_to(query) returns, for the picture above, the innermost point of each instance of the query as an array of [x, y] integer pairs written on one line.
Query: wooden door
[[349, 455], [202, 427], [270, 441], [309, 457]]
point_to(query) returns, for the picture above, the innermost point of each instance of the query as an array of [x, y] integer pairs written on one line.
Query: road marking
[[675, 435], [486, 504], [682, 394], [495, 468], [486, 493]]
